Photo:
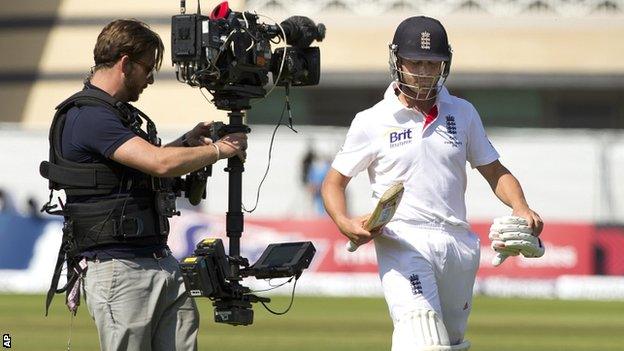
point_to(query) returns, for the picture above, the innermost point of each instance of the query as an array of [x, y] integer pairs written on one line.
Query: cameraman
[[115, 236]]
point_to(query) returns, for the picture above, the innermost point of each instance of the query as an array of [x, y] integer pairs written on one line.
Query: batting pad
[[464, 346], [423, 330]]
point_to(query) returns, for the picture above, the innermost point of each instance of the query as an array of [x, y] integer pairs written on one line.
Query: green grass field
[[332, 324]]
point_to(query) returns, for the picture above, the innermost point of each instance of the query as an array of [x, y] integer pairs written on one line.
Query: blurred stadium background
[[547, 77]]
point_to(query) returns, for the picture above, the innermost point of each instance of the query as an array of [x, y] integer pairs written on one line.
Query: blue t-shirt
[[92, 134]]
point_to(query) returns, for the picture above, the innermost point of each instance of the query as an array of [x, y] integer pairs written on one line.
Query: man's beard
[[133, 90]]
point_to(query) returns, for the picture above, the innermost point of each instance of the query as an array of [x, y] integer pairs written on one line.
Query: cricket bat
[[383, 212]]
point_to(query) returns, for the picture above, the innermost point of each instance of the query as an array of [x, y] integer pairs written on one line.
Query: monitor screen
[[281, 254]]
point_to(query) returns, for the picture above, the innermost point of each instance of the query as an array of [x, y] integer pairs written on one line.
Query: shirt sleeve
[[480, 150], [100, 131], [357, 152]]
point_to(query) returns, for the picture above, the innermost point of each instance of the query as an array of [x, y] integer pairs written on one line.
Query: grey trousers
[[141, 304]]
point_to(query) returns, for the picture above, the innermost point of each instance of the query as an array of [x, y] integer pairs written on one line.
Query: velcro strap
[[126, 228], [75, 177], [113, 221]]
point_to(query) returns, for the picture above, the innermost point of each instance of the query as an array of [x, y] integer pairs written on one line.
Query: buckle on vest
[[135, 226]]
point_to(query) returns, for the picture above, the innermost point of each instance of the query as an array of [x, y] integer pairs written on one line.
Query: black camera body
[[208, 273], [229, 54]]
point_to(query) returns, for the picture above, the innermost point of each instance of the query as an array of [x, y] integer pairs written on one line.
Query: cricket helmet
[[420, 38]]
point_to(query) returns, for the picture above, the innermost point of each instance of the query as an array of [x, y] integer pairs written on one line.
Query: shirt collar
[[89, 85]]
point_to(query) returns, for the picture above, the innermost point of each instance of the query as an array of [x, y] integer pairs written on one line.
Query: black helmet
[[420, 38]]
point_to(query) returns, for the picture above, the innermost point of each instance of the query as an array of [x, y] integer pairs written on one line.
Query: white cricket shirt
[[388, 140]]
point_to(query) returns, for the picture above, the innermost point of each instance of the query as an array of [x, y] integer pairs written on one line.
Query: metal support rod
[[234, 216]]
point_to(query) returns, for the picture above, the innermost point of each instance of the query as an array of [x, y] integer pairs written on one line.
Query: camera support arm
[[234, 218]]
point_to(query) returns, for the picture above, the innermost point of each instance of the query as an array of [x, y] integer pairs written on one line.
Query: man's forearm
[[334, 200], [509, 191], [177, 161]]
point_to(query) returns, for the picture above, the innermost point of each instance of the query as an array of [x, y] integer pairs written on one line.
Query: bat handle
[[351, 246]]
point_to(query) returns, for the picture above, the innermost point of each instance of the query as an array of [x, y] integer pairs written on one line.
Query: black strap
[[79, 179], [96, 97], [58, 267], [129, 115], [76, 177], [55, 279]]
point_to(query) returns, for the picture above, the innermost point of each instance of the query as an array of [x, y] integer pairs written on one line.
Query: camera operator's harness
[[134, 208]]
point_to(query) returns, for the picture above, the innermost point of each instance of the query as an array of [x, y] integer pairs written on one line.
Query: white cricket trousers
[[429, 266]]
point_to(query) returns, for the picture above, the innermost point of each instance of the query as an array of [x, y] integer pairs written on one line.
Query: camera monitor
[[283, 260]]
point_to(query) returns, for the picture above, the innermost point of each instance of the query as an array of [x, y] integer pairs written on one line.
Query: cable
[[71, 325], [273, 287], [292, 300], [212, 63], [245, 29], [204, 95], [278, 285], [279, 74], [266, 172]]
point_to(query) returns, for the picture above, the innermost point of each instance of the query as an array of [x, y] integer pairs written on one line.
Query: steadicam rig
[[229, 54]]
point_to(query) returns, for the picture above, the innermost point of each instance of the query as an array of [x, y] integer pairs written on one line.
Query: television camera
[[229, 54]]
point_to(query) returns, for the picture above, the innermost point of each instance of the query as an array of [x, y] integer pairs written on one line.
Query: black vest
[[123, 219]]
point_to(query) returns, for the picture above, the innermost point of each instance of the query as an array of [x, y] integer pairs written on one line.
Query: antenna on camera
[[182, 6]]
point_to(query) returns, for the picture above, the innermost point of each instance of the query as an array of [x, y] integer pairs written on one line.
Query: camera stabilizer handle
[[234, 225]]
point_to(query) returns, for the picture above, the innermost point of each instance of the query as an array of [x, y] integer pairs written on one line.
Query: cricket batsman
[[421, 135]]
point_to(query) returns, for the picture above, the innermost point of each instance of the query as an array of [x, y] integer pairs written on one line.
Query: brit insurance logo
[[400, 138]]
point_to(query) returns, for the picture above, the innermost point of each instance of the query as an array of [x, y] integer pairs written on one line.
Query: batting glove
[[512, 236]]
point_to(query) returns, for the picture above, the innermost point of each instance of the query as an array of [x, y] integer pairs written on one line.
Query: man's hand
[[511, 236], [233, 144], [353, 229], [199, 135], [527, 244], [230, 145], [534, 221]]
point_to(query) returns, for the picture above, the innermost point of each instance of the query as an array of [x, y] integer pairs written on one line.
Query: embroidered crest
[[425, 40], [451, 127], [451, 132], [416, 285]]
